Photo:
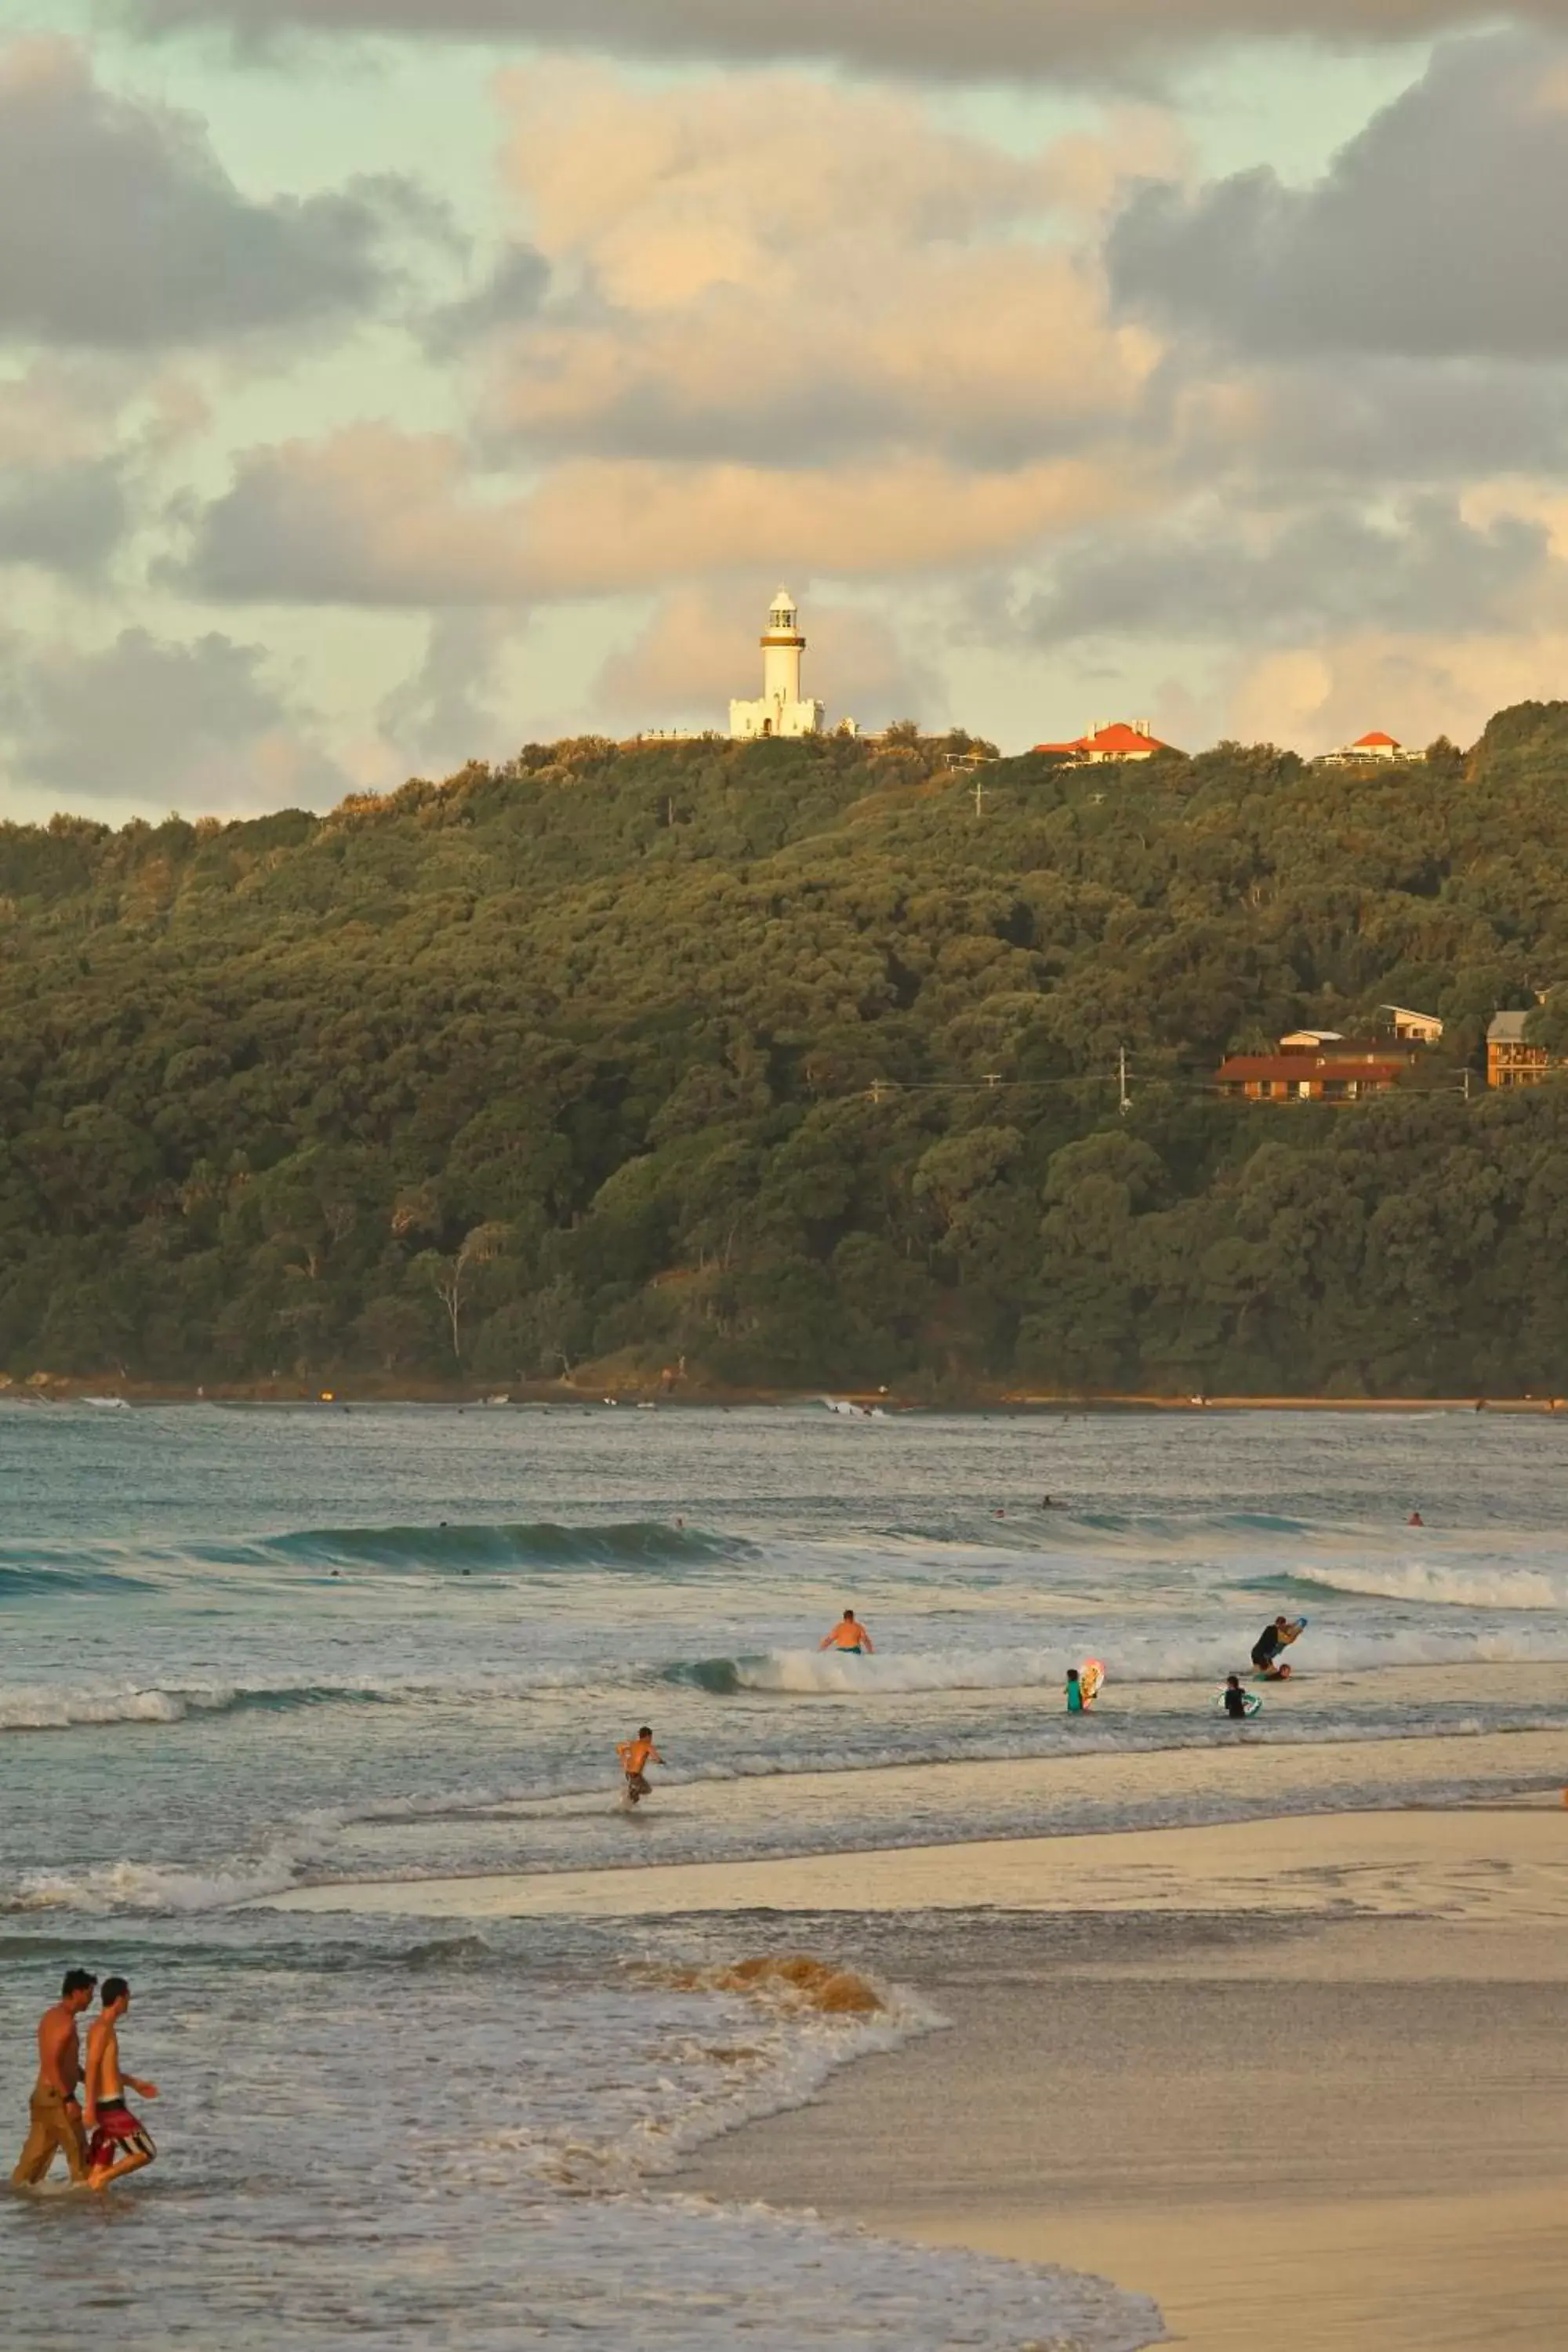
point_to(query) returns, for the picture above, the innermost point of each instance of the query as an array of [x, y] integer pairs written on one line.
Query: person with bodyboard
[[1236, 1703], [1083, 1685], [1271, 1641]]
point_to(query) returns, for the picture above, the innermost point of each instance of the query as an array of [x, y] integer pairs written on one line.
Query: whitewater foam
[[1181, 1656], [1430, 1584]]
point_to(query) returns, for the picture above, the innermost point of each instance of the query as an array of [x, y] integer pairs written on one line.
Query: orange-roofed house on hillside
[[1118, 742], [1376, 746]]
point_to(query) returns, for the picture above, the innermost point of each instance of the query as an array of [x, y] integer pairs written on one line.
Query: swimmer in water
[[636, 1755], [1415, 1520], [850, 1636], [1075, 1692], [1235, 1699]]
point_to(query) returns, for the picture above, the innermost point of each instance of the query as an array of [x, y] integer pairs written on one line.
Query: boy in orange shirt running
[[636, 1755]]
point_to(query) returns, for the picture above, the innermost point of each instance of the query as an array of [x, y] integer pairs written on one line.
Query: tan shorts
[[55, 2129]]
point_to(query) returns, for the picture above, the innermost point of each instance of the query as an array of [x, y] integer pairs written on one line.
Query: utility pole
[[979, 792], [1122, 1080]]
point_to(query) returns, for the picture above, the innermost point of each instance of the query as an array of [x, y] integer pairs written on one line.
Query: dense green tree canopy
[[789, 1060]]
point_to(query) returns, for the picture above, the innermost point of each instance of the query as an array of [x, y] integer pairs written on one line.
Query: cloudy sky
[[384, 382]]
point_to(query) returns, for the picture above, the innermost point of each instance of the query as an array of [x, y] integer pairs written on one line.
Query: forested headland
[[789, 1062]]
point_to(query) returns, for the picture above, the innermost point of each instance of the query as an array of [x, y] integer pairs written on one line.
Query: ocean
[[250, 1648]]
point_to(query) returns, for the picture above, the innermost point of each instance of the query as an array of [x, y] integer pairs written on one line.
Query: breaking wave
[[1144, 1658], [1431, 1585]]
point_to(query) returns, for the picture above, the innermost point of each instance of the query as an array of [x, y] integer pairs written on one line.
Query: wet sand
[[1345, 2139], [1303, 2080]]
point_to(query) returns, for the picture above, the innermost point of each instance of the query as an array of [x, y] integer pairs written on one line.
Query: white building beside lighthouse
[[781, 711]]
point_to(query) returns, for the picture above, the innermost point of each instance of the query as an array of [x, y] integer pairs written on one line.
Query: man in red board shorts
[[120, 2142]]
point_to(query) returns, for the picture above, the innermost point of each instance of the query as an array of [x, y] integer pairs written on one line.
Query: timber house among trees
[[1314, 1066], [1513, 1057]]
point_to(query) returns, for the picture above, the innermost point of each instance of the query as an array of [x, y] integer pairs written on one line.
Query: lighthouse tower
[[781, 711]]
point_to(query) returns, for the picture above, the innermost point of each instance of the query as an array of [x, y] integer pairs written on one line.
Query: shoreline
[[1456, 1862], [618, 1389]]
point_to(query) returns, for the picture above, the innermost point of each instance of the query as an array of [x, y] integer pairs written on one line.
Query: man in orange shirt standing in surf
[[850, 1636]]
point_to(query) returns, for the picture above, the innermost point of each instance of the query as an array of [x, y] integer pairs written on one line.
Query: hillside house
[[1118, 742], [1336, 1070], [1511, 1059], [1373, 746], [1415, 1028]]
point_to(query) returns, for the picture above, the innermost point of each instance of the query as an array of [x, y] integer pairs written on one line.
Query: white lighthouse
[[781, 711]]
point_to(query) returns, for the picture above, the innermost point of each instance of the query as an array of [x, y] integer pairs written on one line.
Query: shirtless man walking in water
[[56, 2117], [120, 2142], [848, 1636], [636, 1755]]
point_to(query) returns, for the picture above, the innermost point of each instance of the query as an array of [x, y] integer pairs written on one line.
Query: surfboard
[[1091, 1680]]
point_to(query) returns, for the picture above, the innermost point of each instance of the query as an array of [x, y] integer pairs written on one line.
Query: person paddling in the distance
[[850, 1637], [120, 2141]]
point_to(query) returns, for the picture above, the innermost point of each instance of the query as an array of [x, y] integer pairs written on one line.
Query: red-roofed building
[[1345, 1071], [1118, 742], [1375, 746]]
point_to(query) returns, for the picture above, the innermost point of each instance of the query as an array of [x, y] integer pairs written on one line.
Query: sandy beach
[[1320, 2132], [1298, 2079]]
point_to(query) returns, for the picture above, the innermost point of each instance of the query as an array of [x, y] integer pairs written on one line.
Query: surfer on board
[[850, 1636]]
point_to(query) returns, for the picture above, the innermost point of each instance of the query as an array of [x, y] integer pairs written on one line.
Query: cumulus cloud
[[512, 291], [372, 515], [123, 230], [199, 726], [446, 712], [982, 40], [368, 516], [1418, 687], [1217, 571], [64, 518], [1436, 233], [1380, 423], [694, 655], [717, 307]]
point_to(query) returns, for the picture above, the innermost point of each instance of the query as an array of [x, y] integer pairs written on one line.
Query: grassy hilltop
[[782, 1058]]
